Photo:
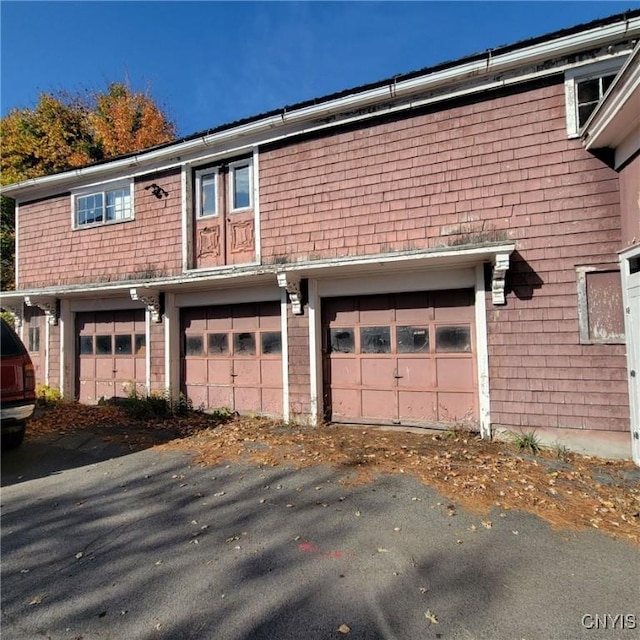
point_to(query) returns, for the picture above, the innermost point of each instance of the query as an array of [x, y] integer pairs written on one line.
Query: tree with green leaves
[[64, 131]]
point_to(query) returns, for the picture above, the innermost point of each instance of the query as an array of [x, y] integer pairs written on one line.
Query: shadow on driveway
[[48, 455]]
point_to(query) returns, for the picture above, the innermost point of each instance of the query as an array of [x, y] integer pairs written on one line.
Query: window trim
[[102, 188], [198, 192], [587, 72], [239, 164], [583, 307]]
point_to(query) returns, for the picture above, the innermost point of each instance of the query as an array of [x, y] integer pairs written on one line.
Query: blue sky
[[210, 63]]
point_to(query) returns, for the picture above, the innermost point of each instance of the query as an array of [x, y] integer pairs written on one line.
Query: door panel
[[379, 404], [418, 406], [110, 353], [237, 356], [402, 358]]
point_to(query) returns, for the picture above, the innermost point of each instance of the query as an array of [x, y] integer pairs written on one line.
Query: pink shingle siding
[[52, 253], [499, 169]]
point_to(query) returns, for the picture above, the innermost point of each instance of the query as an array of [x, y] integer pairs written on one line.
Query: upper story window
[[207, 193], [240, 185], [103, 204], [224, 187], [584, 88], [590, 92]]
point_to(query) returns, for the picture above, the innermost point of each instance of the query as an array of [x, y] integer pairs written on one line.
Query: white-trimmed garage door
[[232, 357], [111, 350], [405, 358]]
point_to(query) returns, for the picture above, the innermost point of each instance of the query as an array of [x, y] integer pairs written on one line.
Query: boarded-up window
[[600, 307]]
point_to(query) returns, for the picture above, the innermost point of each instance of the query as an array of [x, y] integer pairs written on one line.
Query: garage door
[[232, 357], [400, 359], [111, 353]]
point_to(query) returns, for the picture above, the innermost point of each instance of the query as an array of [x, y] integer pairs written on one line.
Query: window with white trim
[[207, 192], [240, 183], [600, 306], [584, 88], [103, 205], [223, 188]]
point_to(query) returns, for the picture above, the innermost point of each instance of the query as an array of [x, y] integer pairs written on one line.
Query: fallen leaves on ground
[[573, 491]]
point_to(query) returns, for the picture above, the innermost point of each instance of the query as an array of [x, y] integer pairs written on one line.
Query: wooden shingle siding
[[51, 253]]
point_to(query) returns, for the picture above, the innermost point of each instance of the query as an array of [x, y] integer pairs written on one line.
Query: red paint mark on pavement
[[306, 546]]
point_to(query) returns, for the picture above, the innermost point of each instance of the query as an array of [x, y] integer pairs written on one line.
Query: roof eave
[[295, 118], [615, 123]]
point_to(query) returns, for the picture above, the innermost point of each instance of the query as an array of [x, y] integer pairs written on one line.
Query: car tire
[[13, 439]]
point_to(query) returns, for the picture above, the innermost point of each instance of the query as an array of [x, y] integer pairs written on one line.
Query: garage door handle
[[397, 376], [234, 375]]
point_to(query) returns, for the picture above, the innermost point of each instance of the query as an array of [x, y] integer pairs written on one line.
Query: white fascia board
[[266, 274], [297, 118]]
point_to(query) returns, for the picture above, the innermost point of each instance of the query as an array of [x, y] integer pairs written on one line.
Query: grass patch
[[526, 441]]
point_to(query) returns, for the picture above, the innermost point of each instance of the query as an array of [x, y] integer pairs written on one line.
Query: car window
[[9, 344]]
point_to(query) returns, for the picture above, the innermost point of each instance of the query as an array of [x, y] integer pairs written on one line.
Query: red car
[[18, 395]]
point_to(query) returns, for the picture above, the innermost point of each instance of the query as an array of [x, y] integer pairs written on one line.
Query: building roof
[[293, 118]]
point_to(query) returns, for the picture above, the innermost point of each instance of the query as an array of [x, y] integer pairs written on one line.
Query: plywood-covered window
[[600, 308]]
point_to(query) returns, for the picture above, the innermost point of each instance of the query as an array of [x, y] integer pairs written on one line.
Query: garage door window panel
[[218, 344], [194, 346], [411, 339], [342, 340], [375, 340], [453, 339], [271, 343], [103, 345], [140, 344], [123, 345], [86, 345], [244, 344]]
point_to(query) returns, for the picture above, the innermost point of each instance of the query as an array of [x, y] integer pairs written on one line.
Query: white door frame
[[630, 272], [471, 277]]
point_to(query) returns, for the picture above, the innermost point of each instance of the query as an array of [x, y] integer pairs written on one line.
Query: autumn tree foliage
[[124, 121], [64, 131]]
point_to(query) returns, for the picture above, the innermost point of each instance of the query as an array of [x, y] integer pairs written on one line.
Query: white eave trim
[[441, 257], [297, 118], [618, 114]]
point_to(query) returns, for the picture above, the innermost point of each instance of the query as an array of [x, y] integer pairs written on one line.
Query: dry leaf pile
[[574, 491]]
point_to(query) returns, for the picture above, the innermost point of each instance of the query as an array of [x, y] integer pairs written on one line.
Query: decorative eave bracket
[[150, 298], [498, 278], [291, 284], [48, 304]]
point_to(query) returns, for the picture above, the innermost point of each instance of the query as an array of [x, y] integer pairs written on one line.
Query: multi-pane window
[[109, 344], [237, 343], [589, 93], [225, 186], [408, 339], [585, 87], [102, 206]]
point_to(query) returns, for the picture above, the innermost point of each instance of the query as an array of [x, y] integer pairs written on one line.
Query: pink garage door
[[111, 353], [232, 357], [400, 359]]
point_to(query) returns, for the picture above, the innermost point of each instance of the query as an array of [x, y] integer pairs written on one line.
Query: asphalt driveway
[[101, 543]]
